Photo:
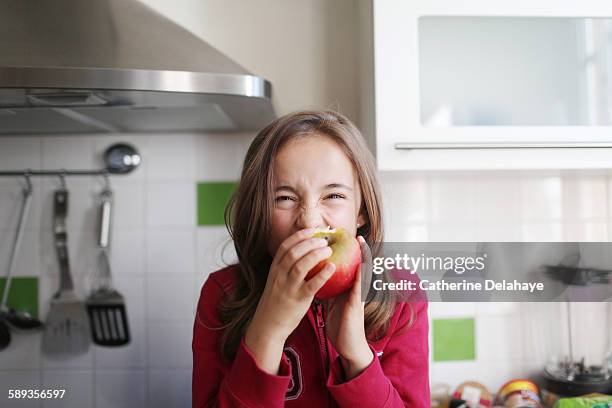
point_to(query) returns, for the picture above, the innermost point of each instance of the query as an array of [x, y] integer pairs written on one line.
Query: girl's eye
[[285, 202], [335, 196]]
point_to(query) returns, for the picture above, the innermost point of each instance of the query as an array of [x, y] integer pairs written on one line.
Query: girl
[[260, 338]]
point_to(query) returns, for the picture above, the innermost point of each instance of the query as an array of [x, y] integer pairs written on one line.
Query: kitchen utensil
[[121, 158], [5, 333], [105, 305], [440, 396], [581, 367], [22, 320], [18, 319], [519, 393], [67, 328], [474, 393]]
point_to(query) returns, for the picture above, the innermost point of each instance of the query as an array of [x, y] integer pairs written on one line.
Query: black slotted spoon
[[105, 305]]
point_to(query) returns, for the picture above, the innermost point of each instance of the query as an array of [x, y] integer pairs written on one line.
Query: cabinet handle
[[451, 146]]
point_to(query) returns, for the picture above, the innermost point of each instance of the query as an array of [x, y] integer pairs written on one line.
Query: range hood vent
[[74, 66]]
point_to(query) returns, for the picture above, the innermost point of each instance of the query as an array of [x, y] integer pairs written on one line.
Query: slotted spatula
[[105, 305], [67, 327]]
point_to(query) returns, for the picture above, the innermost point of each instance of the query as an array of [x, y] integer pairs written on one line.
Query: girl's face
[[316, 186]]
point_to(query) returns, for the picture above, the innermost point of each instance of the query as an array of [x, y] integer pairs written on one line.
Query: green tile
[[453, 339], [212, 198], [24, 294]]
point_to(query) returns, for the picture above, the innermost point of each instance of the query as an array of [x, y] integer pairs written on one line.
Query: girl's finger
[[300, 269], [290, 242], [355, 294], [304, 250], [366, 252], [312, 285], [366, 267]]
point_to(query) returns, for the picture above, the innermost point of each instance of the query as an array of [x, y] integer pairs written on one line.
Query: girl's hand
[[286, 296], [345, 322]]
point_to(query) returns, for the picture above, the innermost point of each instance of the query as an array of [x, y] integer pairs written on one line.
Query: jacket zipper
[[322, 337]]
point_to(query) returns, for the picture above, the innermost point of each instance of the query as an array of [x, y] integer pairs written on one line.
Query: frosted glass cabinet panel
[[515, 71]]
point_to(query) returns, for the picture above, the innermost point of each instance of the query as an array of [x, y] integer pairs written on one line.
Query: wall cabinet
[[477, 84]]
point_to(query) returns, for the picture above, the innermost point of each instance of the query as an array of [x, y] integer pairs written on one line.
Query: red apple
[[346, 255]]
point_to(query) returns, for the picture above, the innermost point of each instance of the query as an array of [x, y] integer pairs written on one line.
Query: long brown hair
[[248, 214]]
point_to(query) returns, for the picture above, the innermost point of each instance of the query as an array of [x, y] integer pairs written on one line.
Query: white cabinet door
[[480, 84]]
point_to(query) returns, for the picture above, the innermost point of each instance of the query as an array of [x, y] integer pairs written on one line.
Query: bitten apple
[[346, 255]]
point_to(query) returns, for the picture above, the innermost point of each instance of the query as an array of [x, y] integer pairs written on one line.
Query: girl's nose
[[309, 217]]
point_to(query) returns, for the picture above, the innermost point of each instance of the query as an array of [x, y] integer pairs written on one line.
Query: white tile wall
[[170, 344], [541, 197], [220, 157], [171, 157], [28, 261], [120, 388], [129, 204], [578, 194], [497, 198], [82, 361], [20, 153], [165, 299], [452, 199], [79, 386], [24, 353], [542, 231], [171, 204], [160, 258], [171, 252], [68, 151], [169, 388], [127, 254]]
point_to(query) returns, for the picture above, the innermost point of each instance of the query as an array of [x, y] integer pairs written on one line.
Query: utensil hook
[[107, 185], [28, 179], [62, 177]]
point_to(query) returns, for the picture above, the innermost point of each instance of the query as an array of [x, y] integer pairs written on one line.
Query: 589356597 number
[[36, 394]]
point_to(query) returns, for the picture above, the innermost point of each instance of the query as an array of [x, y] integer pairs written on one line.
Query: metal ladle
[[19, 319], [121, 158], [16, 318]]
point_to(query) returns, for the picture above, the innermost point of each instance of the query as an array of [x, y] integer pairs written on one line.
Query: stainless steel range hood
[[74, 66]]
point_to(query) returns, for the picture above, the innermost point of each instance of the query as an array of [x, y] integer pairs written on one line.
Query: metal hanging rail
[[120, 158], [57, 173]]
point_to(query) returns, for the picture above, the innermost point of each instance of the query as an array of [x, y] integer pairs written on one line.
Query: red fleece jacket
[[311, 374]]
